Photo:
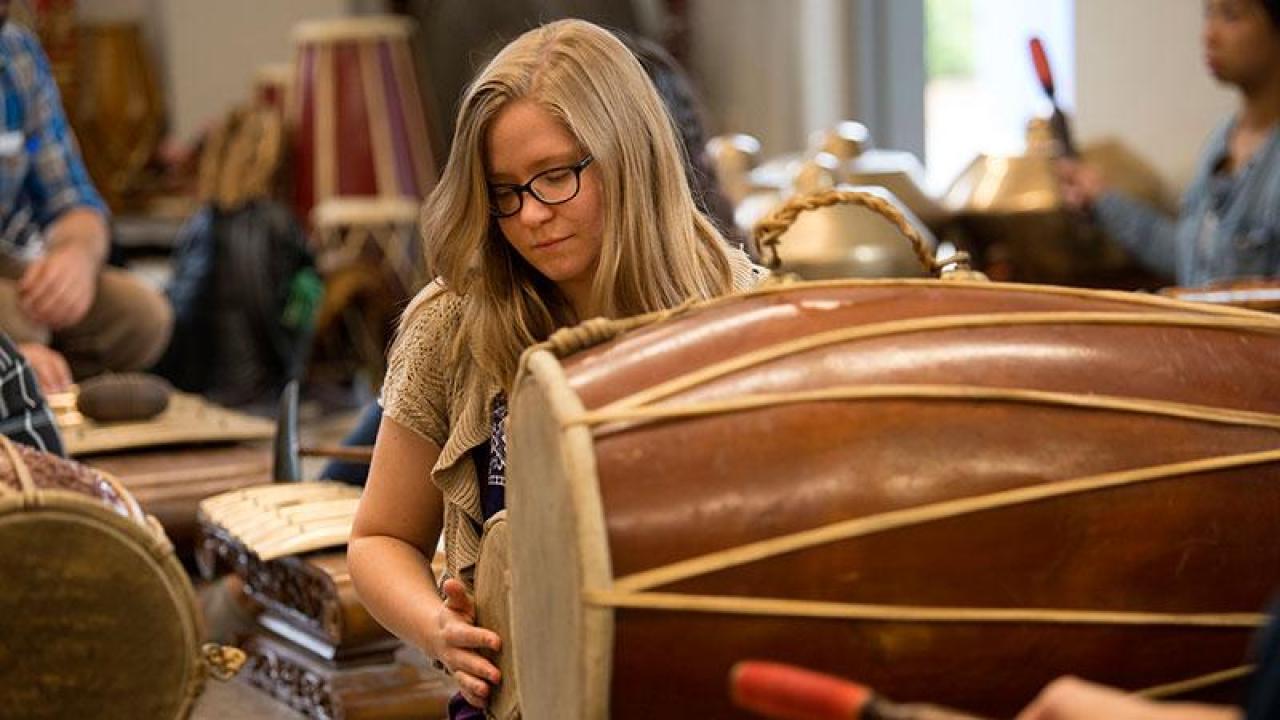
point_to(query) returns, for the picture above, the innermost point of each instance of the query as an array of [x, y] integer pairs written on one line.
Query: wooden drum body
[[356, 114], [952, 491], [97, 617]]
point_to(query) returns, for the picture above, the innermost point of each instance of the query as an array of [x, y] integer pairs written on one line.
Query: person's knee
[[137, 323], [150, 327]]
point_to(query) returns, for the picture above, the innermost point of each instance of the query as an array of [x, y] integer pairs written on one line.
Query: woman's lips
[[550, 243]]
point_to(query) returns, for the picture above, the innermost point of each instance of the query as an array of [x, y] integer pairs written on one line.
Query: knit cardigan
[[450, 407]]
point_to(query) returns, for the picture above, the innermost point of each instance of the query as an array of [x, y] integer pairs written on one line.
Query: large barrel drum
[[953, 491], [97, 617]]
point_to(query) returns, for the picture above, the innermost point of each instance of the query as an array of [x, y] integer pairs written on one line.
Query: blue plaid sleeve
[[57, 180]]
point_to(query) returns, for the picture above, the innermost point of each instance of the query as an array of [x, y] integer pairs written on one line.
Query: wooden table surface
[[240, 700]]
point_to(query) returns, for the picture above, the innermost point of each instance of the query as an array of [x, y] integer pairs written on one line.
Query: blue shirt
[[41, 173], [1228, 225]]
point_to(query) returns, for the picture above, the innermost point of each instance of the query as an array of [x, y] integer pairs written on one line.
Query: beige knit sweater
[[450, 407]]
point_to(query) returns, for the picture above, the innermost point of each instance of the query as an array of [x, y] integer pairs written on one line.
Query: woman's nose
[[533, 211]]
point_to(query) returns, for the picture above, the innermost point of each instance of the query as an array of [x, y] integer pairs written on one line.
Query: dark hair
[[682, 103]]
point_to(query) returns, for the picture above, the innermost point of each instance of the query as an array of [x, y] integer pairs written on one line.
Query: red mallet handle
[[783, 692], [1041, 60]]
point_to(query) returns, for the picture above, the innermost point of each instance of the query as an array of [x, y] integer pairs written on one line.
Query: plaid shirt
[[41, 173], [24, 415]]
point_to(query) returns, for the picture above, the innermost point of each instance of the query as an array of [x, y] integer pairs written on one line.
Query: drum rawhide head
[[99, 617]]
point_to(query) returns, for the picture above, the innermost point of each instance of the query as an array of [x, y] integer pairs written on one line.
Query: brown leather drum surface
[[97, 618], [677, 489]]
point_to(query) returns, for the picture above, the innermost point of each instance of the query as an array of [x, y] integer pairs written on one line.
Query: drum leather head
[[98, 616], [493, 611]]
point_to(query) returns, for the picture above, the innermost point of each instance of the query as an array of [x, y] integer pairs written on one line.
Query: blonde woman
[[564, 197]]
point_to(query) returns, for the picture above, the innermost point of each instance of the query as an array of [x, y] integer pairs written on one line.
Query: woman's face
[[1241, 45], [561, 241]]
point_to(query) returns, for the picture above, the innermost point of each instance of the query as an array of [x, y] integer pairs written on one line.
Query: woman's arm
[[396, 530]]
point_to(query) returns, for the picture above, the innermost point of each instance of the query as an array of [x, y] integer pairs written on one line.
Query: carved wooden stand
[[316, 648], [378, 686]]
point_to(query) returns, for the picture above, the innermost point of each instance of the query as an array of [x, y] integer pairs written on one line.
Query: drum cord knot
[[589, 333]]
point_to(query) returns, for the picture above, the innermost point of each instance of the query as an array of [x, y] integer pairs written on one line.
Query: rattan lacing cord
[[796, 346], [780, 607], [768, 232], [1199, 682], [634, 591], [1185, 411], [19, 468], [895, 519]]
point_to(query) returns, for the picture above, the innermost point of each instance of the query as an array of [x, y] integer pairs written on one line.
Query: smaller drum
[[100, 618], [355, 113]]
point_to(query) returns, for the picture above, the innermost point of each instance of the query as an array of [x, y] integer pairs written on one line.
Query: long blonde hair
[[658, 249]]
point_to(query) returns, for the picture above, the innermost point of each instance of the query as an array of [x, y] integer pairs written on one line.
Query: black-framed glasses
[[550, 187]]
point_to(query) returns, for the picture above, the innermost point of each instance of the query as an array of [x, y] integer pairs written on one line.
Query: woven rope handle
[[768, 232], [569, 340]]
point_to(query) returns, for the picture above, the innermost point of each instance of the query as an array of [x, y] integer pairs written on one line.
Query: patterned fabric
[[24, 415], [41, 173], [493, 490], [1228, 225], [460, 709]]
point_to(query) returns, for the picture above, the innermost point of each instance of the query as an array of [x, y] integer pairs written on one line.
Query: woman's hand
[[1081, 183], [456, 640]]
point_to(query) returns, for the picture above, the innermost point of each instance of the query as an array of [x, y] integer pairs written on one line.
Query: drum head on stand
[[98, 615]]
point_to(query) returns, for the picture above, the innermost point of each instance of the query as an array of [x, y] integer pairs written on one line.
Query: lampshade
[[356, 114]]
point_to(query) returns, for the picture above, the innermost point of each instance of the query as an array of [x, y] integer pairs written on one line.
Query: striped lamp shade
[[356, 115]]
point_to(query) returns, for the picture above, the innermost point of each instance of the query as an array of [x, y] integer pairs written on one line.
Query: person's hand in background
[[57, 289], [1081, 183], [50, 368], [1069, 698]]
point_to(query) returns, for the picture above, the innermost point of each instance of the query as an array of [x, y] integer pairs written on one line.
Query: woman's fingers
[[460, 635], [474, 690], [456, 598], [474, 665]]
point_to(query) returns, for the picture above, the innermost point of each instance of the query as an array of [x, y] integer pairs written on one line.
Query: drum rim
[[345, 29], [587, 649], [153, 547]]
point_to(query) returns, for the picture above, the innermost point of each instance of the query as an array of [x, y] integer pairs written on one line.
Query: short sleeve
[[415, 392]]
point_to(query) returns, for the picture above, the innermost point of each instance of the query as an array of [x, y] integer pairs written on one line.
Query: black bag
[[244, 292]]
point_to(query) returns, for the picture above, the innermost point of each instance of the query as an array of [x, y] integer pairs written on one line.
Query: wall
[[208, 51], [1140, 78], [783, 69]]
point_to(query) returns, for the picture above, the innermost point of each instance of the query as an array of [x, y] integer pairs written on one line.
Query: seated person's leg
[[126, 328]]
